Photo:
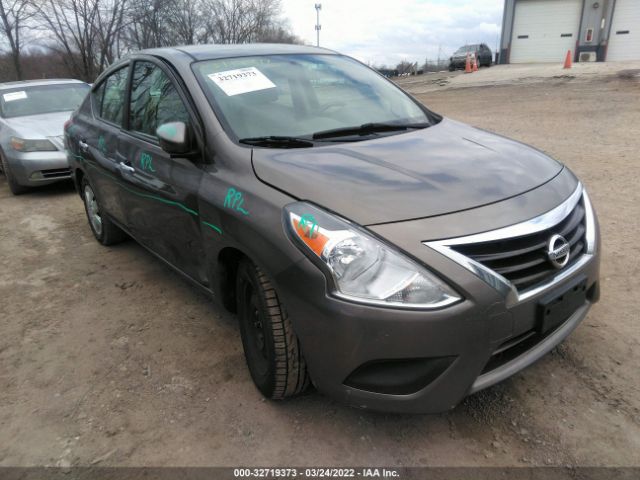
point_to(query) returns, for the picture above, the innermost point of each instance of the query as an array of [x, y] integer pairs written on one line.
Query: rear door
[[161, 192], [96, 138]]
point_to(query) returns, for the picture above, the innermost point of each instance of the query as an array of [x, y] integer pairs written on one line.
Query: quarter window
[[154, 100], [110, 96]]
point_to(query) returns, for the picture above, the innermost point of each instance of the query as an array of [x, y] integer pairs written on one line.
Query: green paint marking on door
[[102, 145], [152, 197], [144, 195], [146, 162], [234, 201], [211, 225]]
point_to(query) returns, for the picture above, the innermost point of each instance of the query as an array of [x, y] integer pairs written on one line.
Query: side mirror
[[175, 138]]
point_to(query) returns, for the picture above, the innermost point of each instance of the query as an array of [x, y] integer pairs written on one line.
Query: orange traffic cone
[[567, 60], [467, 68], [475, 63]]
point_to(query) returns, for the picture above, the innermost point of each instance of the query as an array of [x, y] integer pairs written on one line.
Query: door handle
[[125, 167], [83, 146]]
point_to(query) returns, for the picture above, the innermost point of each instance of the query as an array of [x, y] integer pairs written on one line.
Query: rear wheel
[[271, 347], [105, 231], [14, 186]]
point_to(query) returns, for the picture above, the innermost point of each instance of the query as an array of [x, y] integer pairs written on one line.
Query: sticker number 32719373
[[242, 80]]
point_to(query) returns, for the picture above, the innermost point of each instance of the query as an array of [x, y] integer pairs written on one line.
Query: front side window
[[301, 95], [110, 96], [154, 100], [41, 99]]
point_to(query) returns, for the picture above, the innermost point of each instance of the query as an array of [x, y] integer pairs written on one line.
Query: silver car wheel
[[93, 210]]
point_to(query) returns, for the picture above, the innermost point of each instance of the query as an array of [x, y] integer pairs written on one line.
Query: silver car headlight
[[26, 145], [361, 267]]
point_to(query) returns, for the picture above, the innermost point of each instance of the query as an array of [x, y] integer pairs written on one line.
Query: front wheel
[[14, 186], [271, 347]]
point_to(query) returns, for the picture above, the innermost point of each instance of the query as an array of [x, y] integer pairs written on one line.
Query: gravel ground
[[108, 358]]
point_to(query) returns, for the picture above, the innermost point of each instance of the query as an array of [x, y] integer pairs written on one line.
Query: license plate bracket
[[556, 307]]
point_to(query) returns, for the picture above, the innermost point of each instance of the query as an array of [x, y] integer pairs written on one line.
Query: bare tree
[[240, 21], [86, 32], [14, 15], [147, 27], [278, 34], [186, 22], [88, 35], [109, 26]]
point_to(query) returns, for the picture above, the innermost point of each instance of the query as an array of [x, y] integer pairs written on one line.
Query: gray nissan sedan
[[395, 259], [32, 116]]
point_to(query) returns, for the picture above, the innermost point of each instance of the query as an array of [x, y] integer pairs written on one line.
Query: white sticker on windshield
[[10, 97], [242, 80]]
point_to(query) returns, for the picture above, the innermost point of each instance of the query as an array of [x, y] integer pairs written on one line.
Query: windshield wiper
[[367, 129], [277, 142]]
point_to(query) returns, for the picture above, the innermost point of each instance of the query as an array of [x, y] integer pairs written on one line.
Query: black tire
[[271, 347], [107, 233], [14, 186]]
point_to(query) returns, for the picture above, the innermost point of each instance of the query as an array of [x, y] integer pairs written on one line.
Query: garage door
[[624, 40], [543, 30]]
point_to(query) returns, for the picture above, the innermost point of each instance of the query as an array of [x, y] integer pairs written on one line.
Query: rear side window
[[110, 97], [154, 100]]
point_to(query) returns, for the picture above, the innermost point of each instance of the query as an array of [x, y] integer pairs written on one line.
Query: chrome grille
[[523, 260]]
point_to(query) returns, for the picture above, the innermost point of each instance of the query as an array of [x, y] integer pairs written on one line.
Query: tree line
[[42, 38]]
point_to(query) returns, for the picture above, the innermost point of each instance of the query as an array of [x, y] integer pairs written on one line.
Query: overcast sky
[[388, 31]]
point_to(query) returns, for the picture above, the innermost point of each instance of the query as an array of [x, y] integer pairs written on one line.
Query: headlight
[[362, 268], [22, 145]]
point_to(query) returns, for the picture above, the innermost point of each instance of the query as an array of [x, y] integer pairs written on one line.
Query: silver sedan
[[32, 118]]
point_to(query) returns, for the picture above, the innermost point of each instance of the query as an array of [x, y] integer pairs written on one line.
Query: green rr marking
[[146, 162], [102, 145]]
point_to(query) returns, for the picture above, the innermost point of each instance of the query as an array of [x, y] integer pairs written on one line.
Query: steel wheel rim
[[93, 211]]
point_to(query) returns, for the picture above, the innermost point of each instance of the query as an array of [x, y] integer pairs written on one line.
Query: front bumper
[[338, 338], [37, 168], [456, 63], [423, 361]]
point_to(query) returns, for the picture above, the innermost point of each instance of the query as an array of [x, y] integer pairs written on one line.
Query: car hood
[[442, 169], [39, 126]]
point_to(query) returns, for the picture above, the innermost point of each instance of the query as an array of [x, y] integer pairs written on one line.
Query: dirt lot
[[108, 358]]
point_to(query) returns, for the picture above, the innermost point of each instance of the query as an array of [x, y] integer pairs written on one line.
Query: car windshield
[[465, 49], [42, 99], [302, 95]]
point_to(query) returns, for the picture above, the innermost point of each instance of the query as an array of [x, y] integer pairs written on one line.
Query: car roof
[[212, 52], [37, 83]]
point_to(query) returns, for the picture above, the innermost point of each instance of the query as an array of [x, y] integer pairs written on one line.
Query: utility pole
[[318, 26]]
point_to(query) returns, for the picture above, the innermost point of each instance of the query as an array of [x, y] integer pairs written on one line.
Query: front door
[[160, 194]]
